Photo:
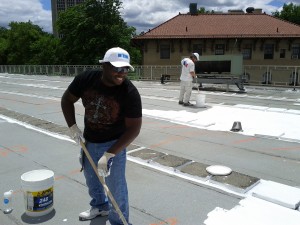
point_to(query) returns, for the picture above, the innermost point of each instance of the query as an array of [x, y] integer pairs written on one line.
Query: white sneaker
[[92, 213]]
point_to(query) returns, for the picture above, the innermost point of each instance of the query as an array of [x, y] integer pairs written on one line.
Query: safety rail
[[267, 75]]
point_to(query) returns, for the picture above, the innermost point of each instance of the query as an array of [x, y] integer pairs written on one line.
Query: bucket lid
[[37, 175]]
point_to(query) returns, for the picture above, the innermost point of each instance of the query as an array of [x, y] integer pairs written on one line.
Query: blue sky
[[276, 3], [141, 14], [46, 4]]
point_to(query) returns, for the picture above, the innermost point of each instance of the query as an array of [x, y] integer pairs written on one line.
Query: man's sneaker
[[180, 102], [92, 213], [187, 104]]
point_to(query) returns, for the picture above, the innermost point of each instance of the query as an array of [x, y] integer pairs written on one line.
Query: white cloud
[[141, 14], [23, 11], [146, 15]]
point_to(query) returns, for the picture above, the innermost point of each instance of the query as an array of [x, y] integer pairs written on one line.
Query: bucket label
[[39, 200]]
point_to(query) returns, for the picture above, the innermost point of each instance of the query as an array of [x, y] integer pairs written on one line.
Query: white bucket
[[37, 186], [200, 100]]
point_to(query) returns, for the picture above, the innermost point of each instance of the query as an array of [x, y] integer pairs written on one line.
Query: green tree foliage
[[202, 10], [21, 36], [46, 51], [290, 12], [26, 43], [3, 45], [89, 29]]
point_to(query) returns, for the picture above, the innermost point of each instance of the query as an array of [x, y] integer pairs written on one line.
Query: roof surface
[[223, 26]]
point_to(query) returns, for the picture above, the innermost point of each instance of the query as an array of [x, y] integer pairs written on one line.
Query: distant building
[[58, 6], [262, 39]]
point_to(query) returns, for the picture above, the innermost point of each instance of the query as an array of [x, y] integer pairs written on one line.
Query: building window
[[247, 53], [269, 51], [219, 49], [164, 51], [70, 3], [197, 48], [61, 5], [282, 53], [295, 51]]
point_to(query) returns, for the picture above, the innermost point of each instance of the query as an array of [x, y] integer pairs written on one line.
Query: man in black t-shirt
[[112, 120]]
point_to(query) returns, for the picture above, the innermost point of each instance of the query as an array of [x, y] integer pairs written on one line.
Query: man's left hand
[[105, 163]]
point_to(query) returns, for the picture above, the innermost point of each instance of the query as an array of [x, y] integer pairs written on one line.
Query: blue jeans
[[116, 182]]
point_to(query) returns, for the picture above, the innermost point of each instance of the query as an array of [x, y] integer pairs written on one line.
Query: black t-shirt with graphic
[[105, 107]]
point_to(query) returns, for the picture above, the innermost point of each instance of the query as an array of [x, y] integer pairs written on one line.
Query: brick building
[[262, 39]]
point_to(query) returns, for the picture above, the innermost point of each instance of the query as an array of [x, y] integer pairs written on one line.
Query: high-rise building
[[59, 6]]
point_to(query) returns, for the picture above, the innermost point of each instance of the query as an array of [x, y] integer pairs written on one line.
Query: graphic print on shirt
[[100, 110], [185, 63]]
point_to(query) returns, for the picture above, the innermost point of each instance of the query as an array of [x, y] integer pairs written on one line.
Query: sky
[[141, 14]]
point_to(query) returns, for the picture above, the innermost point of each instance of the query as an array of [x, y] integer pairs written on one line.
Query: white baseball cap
[[118, 57], [197, 55]]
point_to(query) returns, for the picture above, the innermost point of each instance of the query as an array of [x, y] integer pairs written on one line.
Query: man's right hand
[[76, 134]]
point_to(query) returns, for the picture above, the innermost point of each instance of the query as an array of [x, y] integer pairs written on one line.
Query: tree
[[46, 51], [21, 35], [3, 45], [290, 12], [89, 29], [26, 43], [202, 10]]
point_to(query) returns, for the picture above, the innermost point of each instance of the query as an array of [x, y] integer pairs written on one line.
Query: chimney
[[193, 9]]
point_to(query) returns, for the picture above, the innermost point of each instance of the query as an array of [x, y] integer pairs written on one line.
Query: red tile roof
[[246, 25]]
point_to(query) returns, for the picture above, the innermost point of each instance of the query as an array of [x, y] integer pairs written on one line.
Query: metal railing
[[270, 75]]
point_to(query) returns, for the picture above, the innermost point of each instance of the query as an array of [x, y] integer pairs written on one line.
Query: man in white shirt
[[186, 79]]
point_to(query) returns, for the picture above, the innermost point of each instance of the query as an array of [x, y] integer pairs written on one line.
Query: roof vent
[[250, 9], [193, 9]]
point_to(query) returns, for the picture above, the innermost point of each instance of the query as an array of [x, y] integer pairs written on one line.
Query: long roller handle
[[102, 181]]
